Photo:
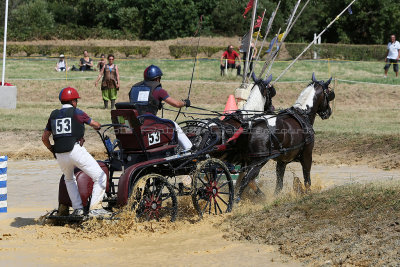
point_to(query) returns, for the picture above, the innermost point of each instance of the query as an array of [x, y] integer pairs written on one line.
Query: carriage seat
[[142, 132]]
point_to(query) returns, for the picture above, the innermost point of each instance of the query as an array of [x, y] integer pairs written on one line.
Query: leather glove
[[187, 102], [81, 141]]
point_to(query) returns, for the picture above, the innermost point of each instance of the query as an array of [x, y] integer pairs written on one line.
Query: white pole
[[5, 43], [246, 65], [310, 44], [315, 42]]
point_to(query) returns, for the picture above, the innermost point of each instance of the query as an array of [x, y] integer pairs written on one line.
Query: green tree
[[31, 20], [168, 19], [130, 21]]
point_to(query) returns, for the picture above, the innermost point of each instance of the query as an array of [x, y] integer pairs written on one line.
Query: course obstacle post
[[3, 183]]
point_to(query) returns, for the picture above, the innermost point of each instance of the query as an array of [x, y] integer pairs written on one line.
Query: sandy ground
[[32, 190]]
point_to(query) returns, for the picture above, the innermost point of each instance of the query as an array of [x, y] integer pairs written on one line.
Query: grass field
[[206, 70], [364, 114]]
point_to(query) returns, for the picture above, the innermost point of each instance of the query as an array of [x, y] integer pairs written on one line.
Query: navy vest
[[141, 95], [66, 129]]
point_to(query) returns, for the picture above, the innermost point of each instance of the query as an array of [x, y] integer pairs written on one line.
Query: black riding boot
[[112, 103], [105, 104]]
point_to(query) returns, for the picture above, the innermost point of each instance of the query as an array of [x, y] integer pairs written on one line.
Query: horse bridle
[[329, 95]]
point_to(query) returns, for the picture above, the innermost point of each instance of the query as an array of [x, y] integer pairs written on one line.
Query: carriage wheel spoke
[[159, 193], [215, 174], [201, 180], [153, 185], [215, 206], [219, 176], [205, 207], [216, 202], [208, 178], [223, 193], [223, 201], [167, 197], [227, 182]]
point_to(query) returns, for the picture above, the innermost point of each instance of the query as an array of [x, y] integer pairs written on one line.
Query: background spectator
[[61, 64], [102, 62], [231, 56], [392, 55], [110, 83], [86, 63]]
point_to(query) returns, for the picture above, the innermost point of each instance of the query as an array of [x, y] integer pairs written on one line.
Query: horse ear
[[313, 78], [254, 77], [267, 81], [328, 81]]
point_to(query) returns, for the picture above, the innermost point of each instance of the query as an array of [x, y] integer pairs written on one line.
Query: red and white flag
[[249, 6], [258, 22]]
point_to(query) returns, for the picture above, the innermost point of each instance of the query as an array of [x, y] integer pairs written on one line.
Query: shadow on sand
[[21, 222]]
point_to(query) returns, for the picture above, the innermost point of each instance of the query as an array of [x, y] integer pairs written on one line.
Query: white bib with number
[[154, 138], [63, 126]]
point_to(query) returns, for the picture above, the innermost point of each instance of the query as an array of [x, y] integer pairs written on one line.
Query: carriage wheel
[[212, 188], [152, 197]]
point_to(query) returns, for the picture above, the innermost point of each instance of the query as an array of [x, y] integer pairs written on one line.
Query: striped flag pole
[[3, 184]]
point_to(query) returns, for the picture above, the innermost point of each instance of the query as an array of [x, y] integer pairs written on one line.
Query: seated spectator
[[102, 62], [61, 64], [230, 55], [86, 63]]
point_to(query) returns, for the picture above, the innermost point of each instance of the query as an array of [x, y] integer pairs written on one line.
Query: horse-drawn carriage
[[146, 170]]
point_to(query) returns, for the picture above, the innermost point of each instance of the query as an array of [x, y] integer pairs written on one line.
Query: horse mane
[[305, 98], [255, 101]]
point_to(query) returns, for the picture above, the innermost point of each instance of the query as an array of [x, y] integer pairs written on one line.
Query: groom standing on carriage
[[148, 95]]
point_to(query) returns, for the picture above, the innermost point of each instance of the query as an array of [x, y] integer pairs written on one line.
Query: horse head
[[266, 90], [323, 95]]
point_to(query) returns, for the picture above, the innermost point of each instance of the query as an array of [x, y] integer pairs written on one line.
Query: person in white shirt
[[61, 64], [392, 55]]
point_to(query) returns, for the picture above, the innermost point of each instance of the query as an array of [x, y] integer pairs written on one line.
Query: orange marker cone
[[230, 106]]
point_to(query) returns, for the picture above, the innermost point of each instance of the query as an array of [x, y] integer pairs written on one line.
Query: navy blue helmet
[[152, 72]]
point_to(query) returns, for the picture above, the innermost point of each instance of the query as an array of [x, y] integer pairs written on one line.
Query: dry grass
[[333, 227]]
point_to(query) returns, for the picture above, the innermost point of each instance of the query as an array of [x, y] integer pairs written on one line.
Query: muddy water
[[33, 189], [324, 177]]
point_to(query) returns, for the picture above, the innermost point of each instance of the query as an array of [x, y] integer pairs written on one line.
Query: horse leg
[[239, 181], [280, 172], [306, 165], [249, 177], [253, 185]]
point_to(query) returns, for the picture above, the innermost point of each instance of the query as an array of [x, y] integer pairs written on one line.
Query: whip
[[198, 31]]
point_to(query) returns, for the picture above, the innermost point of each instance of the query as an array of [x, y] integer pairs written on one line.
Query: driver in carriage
[[148, 95]]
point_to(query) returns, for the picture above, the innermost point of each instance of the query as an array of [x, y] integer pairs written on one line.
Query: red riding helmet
[[68, 94]]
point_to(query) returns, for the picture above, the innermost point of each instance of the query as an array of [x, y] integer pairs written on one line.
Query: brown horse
[[285, 137]]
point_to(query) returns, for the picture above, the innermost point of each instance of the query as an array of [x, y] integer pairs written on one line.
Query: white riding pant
[[183, 140], [80, 158]]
